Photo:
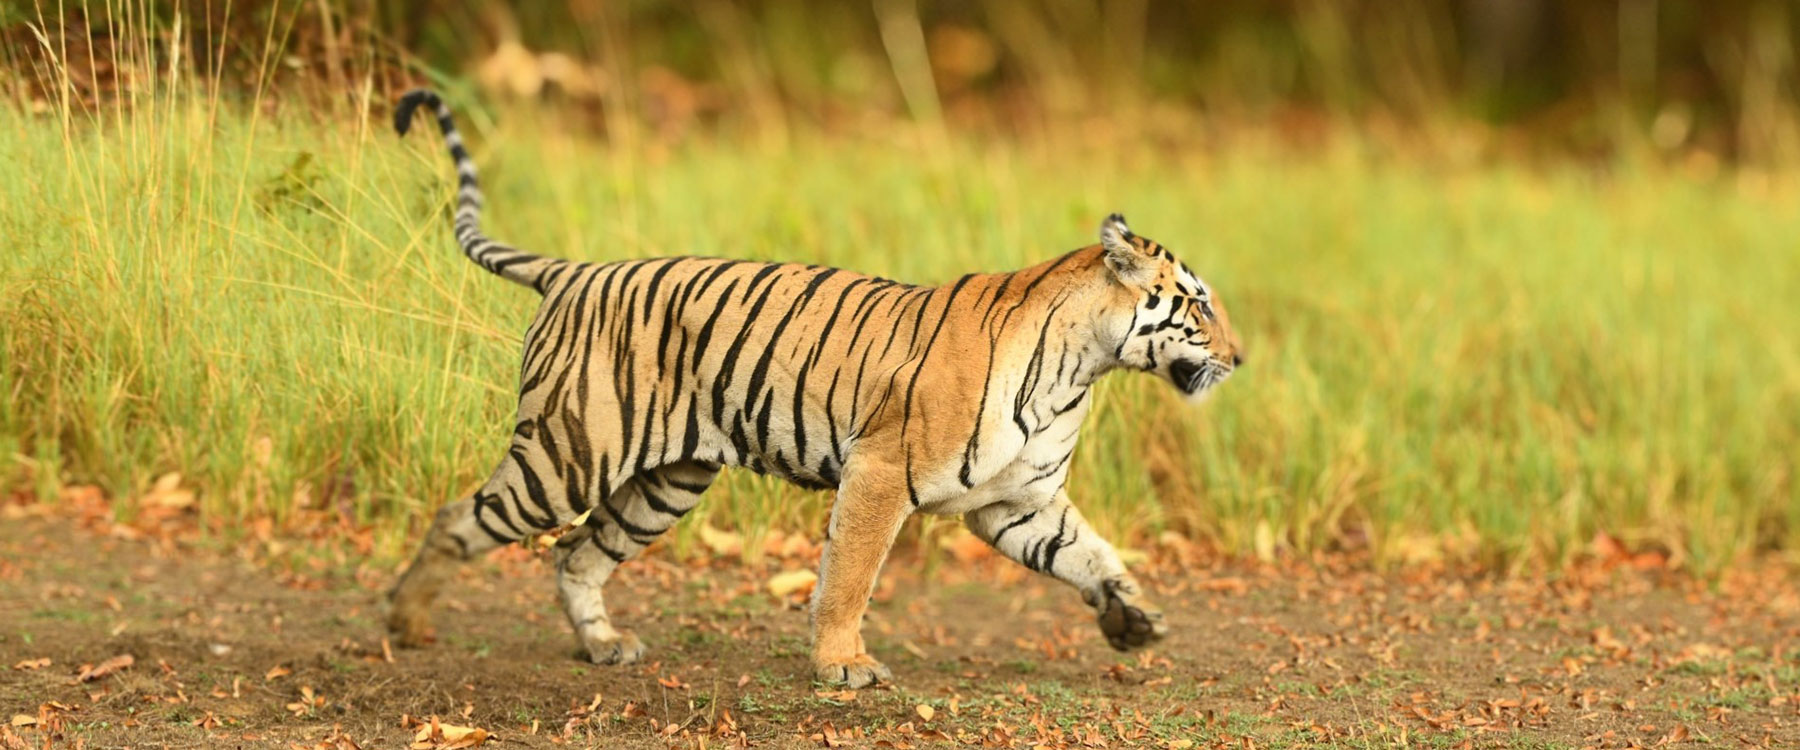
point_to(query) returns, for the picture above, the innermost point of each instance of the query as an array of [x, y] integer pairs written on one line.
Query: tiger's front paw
[[855, 673], [1127, 620]]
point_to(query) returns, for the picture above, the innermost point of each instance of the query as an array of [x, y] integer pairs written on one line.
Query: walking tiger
[[642, 378]]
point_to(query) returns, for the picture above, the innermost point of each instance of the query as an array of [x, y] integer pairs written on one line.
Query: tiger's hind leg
[[619, 528], [494, 516]]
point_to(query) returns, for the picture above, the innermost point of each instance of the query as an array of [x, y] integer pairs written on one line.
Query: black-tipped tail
[[403, 110], [506, 262]]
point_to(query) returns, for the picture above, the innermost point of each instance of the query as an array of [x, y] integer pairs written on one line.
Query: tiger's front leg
[[1056, 540], [871, 505]]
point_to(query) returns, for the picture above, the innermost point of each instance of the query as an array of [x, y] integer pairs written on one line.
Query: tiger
[[642, 379]]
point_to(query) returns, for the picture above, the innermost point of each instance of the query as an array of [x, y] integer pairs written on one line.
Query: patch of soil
[[231, 651]]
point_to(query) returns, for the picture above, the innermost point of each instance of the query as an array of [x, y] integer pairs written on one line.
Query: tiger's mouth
[[1193, 377]]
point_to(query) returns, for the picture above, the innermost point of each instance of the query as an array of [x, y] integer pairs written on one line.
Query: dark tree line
[[1717, 75]]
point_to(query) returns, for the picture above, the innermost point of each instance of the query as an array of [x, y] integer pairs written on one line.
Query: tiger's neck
[[1077, 342]]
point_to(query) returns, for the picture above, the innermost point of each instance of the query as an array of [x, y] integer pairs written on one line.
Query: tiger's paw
[[855, 673], [621, 648], [1128, 621], [410, 628]]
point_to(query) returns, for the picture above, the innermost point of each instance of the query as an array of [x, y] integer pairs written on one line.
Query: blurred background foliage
[[1705, 80]]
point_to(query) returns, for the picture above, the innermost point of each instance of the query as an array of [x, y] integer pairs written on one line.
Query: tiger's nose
[[1237, 358]]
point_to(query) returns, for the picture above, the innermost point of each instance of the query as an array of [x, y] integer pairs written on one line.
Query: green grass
[[1476, 359]]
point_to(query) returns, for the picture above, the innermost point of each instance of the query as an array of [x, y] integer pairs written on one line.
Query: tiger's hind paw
[[410, 628], [622, 648]]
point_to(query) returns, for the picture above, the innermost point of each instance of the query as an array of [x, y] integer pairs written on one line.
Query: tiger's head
[[1178, 327]]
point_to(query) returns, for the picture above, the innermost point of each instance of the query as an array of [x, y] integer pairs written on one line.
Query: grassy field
[[1445, 358]]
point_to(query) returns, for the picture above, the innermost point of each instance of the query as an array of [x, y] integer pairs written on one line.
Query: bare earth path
[[232, 653]]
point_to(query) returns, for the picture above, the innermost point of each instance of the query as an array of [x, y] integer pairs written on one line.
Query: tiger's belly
[[1033, 475]]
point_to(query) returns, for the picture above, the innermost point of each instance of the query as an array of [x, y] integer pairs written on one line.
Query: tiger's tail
[[501, 260]]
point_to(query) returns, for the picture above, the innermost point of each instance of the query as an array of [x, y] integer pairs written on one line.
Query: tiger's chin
[[1196, 380]]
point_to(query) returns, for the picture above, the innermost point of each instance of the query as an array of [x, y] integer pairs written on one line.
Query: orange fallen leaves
[[89, 673], [966, 548], [722, 543], [309, 702], [1610, 552], [436, 735], [1227, 585], [1678, 734], [793, 583], [167, 494]]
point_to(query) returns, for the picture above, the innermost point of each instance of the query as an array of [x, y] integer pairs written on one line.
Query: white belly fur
[[1020, 481]]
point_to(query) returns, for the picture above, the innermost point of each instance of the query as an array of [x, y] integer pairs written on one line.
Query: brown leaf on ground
[[722, 543], [167, 494], [1607, 549], [792, 582], [30, 664], [436, 735], [1229, 585], [276, 672], [967, 548], [95, 672]]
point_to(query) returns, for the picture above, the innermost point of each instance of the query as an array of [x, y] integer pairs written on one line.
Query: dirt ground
[[248, 649]]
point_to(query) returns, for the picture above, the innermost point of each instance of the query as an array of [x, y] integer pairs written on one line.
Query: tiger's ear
[[1130, 264]]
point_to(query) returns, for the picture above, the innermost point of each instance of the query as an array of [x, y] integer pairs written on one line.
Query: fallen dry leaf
[[1230, 584], [792, 582], [89, 674], [966, 547], [24, 720], [276, 672], [436, 735], [925, 712], [167, 493], [30, 664], [722, 543]]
